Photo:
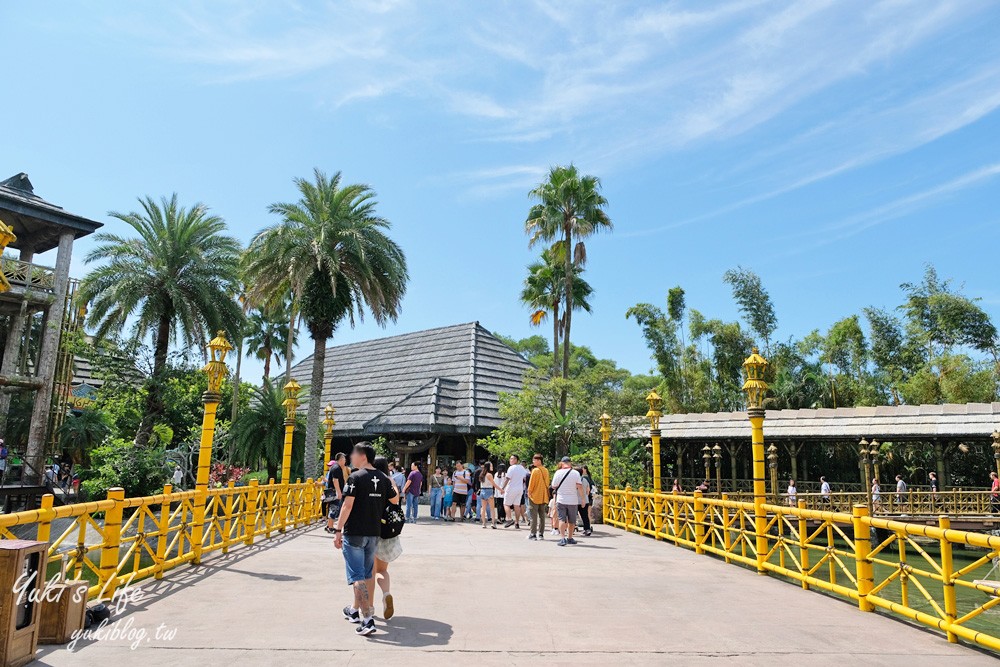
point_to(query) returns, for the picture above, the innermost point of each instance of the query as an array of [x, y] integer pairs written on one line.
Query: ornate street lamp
[[874, 453], [654, 414], [605, 432], [717, 456], [328, 424], [772, 464], [291, 404], [756, 388], [216, 371], [996, 449], [6, 237], [706, 457]]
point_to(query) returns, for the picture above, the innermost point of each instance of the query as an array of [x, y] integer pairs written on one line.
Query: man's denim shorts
[[359, 556]]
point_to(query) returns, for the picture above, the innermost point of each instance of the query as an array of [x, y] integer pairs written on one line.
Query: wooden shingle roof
[[444, 380], [36, 222], [917, 423]]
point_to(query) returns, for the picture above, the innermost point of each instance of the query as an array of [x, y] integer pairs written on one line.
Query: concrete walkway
[[478, 597]]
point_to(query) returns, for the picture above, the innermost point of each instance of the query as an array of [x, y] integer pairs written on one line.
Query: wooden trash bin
[[64, 610], [22, 580]]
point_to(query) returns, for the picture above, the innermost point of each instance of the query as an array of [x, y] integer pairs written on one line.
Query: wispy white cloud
[[610, 85]]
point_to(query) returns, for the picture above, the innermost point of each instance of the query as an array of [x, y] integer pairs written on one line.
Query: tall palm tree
[[266, 333], [176, 280], [570, 208], [331, 251], [259, 434], [82, 432], [543, 291]]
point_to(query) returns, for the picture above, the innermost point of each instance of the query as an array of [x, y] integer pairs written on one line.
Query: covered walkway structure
[[804, 439], [614, 597]]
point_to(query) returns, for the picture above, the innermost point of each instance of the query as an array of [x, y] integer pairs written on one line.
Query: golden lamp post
[[606, 452], [875, 451], [755, 388], [996, 449], [291, 404], [328, 424], [772, 464], [654, 414], [216, 370]]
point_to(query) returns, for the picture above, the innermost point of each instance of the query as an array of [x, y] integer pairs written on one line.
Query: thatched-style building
[[430, 393]]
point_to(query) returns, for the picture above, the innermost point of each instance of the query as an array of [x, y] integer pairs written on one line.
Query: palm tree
[[330, 250], [176, 280], [570, 207], [543, 291], [82, 432], [265, 334], [259, 434]]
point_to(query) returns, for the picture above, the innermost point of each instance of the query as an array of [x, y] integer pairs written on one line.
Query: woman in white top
[[487, 486], [499, 482], [793, 494]]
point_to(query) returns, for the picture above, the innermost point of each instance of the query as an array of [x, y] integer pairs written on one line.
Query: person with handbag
[[358, 530], [567, 488], [389, 547]]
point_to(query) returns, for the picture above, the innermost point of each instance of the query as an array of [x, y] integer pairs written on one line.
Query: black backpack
[[393, 520]]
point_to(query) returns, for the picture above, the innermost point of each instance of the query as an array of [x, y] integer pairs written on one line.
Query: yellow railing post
[[269, 504], [759, 485], [862, 547], [629, 509], [162, 528], [291, 404], [107, 572], [45, 518], [250, 516], [699, 523], [227, 527], [677, 521], [803, 543], [727, 541], [947, 576], [606, 460]]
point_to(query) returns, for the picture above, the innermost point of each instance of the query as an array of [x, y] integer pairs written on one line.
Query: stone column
[[48, 354]]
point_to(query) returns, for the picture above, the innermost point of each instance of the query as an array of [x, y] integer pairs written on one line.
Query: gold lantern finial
[[6, 237], [755, 386], [655, 405], [291, 402], [605, 426], [216, 370], [329, 422]]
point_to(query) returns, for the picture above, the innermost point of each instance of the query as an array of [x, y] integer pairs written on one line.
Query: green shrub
[[140, 471]]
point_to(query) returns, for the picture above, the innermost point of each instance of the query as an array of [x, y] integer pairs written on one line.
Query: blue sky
[[833, 147]]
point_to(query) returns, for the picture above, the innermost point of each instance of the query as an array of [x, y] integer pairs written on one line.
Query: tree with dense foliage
[[176, 280], [82, 431], [267, 334], [754, 303], [259, 434], [570, 209], [543, 291], [331, 250]]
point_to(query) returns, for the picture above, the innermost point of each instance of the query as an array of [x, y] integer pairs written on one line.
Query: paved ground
[[483, 597]]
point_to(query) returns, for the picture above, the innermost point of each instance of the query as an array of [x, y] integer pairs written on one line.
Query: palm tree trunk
[[154, 400], [555, 338], [568, 314], [288, 345], [311, 462], [236, 381], [267, 362]]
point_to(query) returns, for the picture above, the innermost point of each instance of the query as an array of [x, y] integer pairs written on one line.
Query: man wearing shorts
[[568, 488], [513, 492], [358, 528], [462, 479]]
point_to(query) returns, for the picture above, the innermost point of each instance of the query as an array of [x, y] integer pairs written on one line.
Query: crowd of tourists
[[365, 511]]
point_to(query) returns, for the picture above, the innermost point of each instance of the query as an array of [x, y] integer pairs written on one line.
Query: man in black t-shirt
[[357, 532], [336, 480]]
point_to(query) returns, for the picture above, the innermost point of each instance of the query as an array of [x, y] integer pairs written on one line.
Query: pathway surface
[[478, 597]]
